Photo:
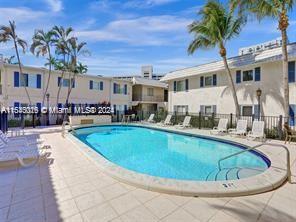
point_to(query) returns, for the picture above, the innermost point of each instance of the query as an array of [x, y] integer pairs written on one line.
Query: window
[[117, 89], [150, 91], [248, 75], [291, 71], [66, 83], [27, 80], [181, 109], [247, 110], [208, 81], [180, 86], [96, 85], [208, 109]]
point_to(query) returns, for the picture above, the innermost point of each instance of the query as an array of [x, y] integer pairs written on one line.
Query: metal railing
[[259, 145], [64, 128]]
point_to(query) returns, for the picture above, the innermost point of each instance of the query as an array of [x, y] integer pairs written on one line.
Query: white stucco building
[[205, 88]]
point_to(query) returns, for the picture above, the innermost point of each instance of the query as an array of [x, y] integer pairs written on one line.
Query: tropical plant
[[277, 9], [215, 28], [9, 60], [63, 35], [75, 50], [42, 43], [8, 33]]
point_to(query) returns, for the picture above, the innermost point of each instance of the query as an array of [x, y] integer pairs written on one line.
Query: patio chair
[[221, 128], [21, 156], [241, 128], [167, 121], [150, 119], [20, 147], [257, 131], [185, 124], [21, 140], [290, 133]]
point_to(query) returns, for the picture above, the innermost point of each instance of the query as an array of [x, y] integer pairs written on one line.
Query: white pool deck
[[69, 186]]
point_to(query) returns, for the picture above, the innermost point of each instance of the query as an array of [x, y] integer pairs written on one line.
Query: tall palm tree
[[42, 43], [277, 9], [216, 27], [63, 36], [76, 49], [8, 33]]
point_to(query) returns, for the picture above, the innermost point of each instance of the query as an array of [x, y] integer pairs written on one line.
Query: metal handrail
[[63, 127], [257, 146]]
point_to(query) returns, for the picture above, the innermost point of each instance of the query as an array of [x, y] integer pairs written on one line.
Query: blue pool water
[[170, 155]]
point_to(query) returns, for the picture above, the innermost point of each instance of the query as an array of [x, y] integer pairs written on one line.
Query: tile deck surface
[[67, 186]]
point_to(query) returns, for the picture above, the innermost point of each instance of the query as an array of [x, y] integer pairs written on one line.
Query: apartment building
[[148, 94], [205, 88], [87, 89]]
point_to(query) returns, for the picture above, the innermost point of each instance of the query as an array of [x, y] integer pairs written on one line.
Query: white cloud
[[146, 3], [19, 15], [55, 5], [150, 30]]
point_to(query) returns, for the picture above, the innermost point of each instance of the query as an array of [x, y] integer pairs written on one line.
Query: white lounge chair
[[7, 155], [241, 128], [185, 124], [257, 131], [167, 121], [150, 119], [21, 140], [221, 128]]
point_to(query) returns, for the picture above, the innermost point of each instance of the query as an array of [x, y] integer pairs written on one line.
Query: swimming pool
[[171, 155]]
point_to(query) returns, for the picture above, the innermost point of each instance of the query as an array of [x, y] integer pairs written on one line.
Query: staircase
[[233, 173]]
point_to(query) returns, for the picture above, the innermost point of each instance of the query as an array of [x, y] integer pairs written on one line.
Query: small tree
[[215, 28], [8, 33]]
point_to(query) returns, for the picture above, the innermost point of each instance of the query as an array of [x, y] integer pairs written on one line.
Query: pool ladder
[[64, 130], [288, 156]]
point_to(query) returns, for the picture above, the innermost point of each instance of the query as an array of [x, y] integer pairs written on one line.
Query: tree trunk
[[21, 70], [285, 72], [60, 87], [232, 86], [49, 75]]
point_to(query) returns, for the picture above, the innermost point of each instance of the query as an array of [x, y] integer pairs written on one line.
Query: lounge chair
[[290, 133], [150, 119], [21, 140], [167, 121], [186, 123], [257, 131], [21, 155], [221, 128], [241, 128]]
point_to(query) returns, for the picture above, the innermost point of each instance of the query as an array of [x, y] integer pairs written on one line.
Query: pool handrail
[[257, 146], [63, 127]]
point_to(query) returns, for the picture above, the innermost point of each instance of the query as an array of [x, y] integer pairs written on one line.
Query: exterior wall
[[81, 93], [271, 85]]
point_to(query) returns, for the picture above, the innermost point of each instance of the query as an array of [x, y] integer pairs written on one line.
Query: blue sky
[[123, 35]]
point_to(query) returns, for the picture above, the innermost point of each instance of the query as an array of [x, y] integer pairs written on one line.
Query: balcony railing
[[144, 98]]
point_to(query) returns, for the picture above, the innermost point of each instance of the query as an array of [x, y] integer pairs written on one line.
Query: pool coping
[[270, 179]]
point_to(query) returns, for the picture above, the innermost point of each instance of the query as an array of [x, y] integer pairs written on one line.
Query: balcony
[[148, 99]]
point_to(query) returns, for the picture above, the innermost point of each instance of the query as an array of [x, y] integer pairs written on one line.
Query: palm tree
[[42, 43], [8, 33], [63, 36], [277, 9], [76, 49], [216, 27]]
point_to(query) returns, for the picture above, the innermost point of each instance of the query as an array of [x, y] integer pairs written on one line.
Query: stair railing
[[259, 145]]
